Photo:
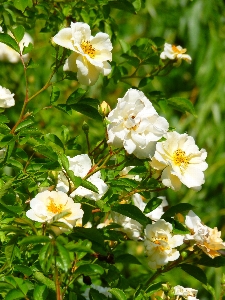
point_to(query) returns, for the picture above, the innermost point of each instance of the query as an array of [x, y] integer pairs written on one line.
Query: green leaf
[[132, 212], [65, 108], [45, 280], [9, 41], [133, 61], [127, 259], [18, 32], [123, 5], [46, 151], [14, 163], [9, 209], [75, 96], [45, 257], [6, 139], [14, 294], [89, 270], [21, 154], [182, 104], [144, 81], [118, 294], [5, 187], [152, 204], [154, 288], [21, 4], [64, 255], [179, 208], [90, 186], [195, 272], [11, 249], [179, 228], [87, 110], [91, 234], [23, 269], [28, 48], [32, 64], [40, 292], [54, 94], [80, 246], [54, 139], [35, 239], [72, 144]]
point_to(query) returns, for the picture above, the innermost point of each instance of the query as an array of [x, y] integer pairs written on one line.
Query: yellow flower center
[[180, 159], [88, 48], [178, 51], [162, 243], [53, 207]]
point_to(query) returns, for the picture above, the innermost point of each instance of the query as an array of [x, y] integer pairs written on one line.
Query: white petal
[[64, 38], [70, 64]]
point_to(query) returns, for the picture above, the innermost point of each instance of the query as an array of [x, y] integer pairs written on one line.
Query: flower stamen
[[177, 50], [88, 48], [53, 207], [180, 159]]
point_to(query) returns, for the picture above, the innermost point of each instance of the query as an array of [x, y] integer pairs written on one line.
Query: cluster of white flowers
[[10, 55], [160, 244], [185, 293], [6, 98], [135, 125], [81, 166], [180, 161], [90, 54], [206, 238], [45, 205], [176, 53]]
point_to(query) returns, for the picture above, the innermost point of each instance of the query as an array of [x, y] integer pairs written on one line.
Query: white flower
[[126, 170], [186, 293], [100, 289], [81, 165], [130, 227], [90, 55], [160, 243], [180, 161], [47, 204], [206, 238], [8, 54], [175, 53], [6, 98], [135, 125]]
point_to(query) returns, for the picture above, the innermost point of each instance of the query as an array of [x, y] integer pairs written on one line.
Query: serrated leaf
[[23, 269], [154, 288], [195, 272], [54, 94], [65, 108], [35, 239], [132, 212], [47, 152], [87, 110], [45, 280], [91, 234], [28, 48], [9, 41], [207, 261], [144, 82], [179, 208], [18, 32], [64, 255], [45, 256], [118, 294], [54, 139], [14, 163], [182, 104]]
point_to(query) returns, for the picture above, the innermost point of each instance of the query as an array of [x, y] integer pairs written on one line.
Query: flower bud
[[104, 109], [85, 127]]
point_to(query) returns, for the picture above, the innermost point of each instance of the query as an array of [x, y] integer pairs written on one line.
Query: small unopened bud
[[85, 127], [104, 109], [184, 254]]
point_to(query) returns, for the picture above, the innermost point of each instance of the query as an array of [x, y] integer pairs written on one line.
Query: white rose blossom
[[135, 125], [81, 165], [160, 244], [90, 54], [186, 293], [45, 205], [175, 53], [206, 238], [8, 54], [6, 98], [180, 161], [133, 228]]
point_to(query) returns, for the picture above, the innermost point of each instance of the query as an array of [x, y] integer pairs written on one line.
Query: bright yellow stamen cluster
[[88, 48], [161, 242], [53, 207], [178, 51], [180, 159]]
